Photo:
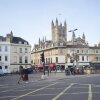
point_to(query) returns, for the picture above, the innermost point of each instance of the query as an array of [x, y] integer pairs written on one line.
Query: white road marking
[[74, 93], [7, 96], [61, 93], [33, 91], [90, 93], [10, 89], [16, 90], [64, 93], [3, 85], [95, 85]]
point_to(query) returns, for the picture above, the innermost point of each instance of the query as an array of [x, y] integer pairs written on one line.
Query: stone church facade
[[60, 51]]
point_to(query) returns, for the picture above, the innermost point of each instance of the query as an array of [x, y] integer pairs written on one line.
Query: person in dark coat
[[21, 72], [25, 78]]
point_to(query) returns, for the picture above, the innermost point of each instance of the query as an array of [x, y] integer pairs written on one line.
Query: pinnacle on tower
[[56, 21], [11, 33], [45, 38], [39, 40], [65, 23], [52, 24], [83, 36], [60, 24]]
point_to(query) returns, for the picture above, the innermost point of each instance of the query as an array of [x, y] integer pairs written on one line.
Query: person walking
[[25, 75], [21, 72]]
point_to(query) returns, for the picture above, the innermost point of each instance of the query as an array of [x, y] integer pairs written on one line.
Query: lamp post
[[73, 56]]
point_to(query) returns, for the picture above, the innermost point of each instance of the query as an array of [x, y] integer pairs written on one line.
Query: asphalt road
[[81, 87]]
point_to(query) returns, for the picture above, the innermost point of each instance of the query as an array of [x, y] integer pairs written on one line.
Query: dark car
[[29, 70]]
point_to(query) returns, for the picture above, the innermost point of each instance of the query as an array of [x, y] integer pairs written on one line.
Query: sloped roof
[[18, 39]]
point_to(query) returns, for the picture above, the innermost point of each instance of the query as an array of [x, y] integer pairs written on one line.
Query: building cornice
[[55, 47]]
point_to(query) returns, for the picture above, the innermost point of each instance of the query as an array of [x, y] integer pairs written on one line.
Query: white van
[[3, 72]]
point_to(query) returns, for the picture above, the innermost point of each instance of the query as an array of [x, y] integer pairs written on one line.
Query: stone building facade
[[60, 51], [18, 53]]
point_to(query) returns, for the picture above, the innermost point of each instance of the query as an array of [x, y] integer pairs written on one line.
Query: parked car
[[3, 72], [30, 70]]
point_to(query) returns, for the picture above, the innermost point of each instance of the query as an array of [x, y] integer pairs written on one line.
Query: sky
[[31, 19]]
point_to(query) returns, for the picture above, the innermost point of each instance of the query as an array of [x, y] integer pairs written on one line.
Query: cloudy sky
[[31, 19]]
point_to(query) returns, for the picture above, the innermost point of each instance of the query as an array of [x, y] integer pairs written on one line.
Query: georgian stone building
[[59, 51], [55, 49], [14, 52]]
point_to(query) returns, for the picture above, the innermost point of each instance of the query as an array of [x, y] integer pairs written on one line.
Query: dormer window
[[25, 42], [20, 42]]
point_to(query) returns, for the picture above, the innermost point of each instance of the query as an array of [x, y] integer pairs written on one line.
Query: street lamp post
[[73, 44]]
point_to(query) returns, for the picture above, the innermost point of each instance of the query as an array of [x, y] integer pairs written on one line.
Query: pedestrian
[[25, 75], [48, 70], [67, 71], [55, 69], [21, 72], [71, 70]]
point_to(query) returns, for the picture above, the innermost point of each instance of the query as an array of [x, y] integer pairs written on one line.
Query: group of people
[[70, 70], [23, 74]]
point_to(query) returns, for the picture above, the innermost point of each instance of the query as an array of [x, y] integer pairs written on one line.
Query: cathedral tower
[[59, 32], [83, 37]]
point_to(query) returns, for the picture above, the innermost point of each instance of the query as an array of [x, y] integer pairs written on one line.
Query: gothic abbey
[[59, 32], [59, 37], [59, 50]]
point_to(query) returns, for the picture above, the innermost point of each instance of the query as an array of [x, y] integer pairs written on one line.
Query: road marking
[[90, 93], [10, 89], [16, 90], [95, 85], [7, 96], [33, 91], [61, 93], [3, 85]]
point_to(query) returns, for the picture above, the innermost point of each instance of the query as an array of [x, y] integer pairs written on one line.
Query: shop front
[[39, 68]]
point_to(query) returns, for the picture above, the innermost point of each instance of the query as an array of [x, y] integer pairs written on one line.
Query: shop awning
[[51, 65], [40, 65]]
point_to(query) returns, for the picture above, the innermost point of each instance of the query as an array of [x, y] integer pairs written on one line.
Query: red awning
[[51, 65], [40, 65]]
